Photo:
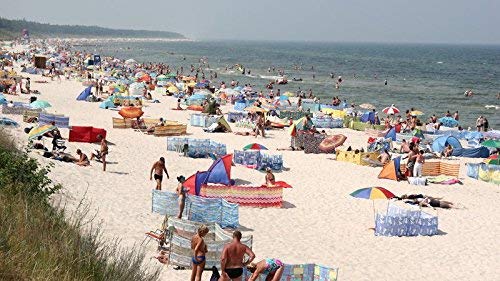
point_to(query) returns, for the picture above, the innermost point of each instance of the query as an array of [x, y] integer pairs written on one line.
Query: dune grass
[[41, 242]]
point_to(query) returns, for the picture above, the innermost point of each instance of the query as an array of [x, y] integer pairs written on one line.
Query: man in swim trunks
[[232, 258], [101, 154], [158, 168]]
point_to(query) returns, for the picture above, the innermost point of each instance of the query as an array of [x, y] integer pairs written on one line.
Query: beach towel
[[443, 179]]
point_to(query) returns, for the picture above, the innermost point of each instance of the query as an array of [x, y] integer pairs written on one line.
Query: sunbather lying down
[[252, 133], [427, 201]]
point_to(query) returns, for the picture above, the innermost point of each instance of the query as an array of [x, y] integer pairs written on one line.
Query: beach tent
[[219, 172], [84, 94], [448, 122], [391, 134], [439, 144], [221, 123], [85, 134], [108, 103], [478, 152], [391, 170], [368, 117]]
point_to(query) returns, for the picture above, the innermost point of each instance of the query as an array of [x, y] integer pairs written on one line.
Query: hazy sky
[[439, 21]]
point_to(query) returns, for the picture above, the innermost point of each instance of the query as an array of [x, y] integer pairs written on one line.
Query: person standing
[[181, 192], [158, 168], [232, 258], [199, 249], [101, 154], [28, 86], [455, 116]]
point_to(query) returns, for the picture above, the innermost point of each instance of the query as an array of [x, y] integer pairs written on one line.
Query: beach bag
[[215, 274]]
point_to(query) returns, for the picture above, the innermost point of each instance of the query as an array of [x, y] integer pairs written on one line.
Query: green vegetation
[[41, 242], [10, 29]]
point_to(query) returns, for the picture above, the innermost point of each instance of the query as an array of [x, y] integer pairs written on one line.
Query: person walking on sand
[[199, 251], [101, 154], [158, 168], [181, 192], [232, 258]]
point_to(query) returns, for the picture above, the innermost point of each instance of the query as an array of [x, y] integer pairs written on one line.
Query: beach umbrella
[[390, 110], [254, 109], [494, 134], [7, 122], [373, 193], [491, 143], [40, 104], [254, 146], [173, 89], [492, 161], [416, 113], [301, 124], [170, 75], [448, 122], [367, 106], [40, 131], [130, 61], [162, 77]]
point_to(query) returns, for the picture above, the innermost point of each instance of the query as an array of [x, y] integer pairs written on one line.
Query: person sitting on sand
[[448, 151], [272, 268], [384, 157], [270, 180], [101, 154], [179, 105], [158, 168], [405, 148], [181, 192], [83, 160], [199, 249]]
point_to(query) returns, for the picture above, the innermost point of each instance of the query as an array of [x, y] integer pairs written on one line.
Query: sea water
[[430, 78]]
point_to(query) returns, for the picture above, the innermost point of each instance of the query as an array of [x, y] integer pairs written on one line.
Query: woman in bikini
[[273, 268], [199, 250]]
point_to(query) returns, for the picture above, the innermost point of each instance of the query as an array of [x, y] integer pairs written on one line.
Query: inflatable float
[[329, 144], [131, 112], [195, 107], [277, 125]]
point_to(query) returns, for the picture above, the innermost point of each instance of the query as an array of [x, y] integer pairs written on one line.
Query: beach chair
[[161, 235], [30, 115]]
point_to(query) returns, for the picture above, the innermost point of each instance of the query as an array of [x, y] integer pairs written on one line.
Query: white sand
[[320, 223]]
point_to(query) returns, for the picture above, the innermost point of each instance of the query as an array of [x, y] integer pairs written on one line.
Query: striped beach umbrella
[[390, 110], [254, 146], [373, 193], [40, 131]]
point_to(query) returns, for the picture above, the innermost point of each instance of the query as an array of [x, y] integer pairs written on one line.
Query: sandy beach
[[319, 223]]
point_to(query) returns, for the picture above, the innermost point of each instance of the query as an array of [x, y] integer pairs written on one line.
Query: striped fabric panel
[[259, 197]]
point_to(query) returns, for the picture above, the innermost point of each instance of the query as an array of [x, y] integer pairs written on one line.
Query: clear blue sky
[[425, 21]]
